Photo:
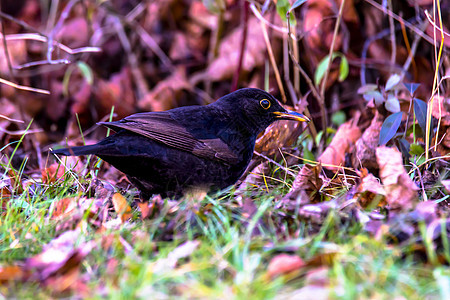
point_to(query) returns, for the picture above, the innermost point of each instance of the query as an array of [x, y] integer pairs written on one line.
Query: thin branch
[[327, 70], [245, 14], [400, 19], [63, 17], [392, 34], [24, 88], [274, 27], [5, 49], [273, 61], [141, 84], [274, 162]]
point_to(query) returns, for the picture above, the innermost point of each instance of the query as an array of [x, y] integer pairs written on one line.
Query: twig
[[144, 36], [43, 62], [142, 88], [274, 162], [314, 91], [412, 52], [44, 39], [151, 43], [311, 126], [392, 34], [245, 13], [438, 56], [24, 88], [273, 61], [441, 30], [327, 71], [274, 27], [10, 119], [64, 15], [20, 22], [214, 45], [400, 19], [5, 49], [366, 45]]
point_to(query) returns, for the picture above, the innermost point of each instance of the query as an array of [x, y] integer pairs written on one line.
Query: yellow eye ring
[[265, 103]]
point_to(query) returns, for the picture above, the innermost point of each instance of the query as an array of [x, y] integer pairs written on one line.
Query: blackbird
[[170, 152]]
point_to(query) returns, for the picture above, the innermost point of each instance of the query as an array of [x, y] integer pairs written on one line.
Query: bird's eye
[[265, 103]]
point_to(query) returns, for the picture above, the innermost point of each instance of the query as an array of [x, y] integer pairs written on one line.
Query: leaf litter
[[360, 178]]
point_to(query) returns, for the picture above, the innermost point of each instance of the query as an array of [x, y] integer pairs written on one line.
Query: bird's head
[[258, 108]]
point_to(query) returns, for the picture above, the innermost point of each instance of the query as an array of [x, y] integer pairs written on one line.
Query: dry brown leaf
[[115, 92], [121, 207], [366, 145], [224, 66], [278, 135], [180, 49], [52, 173], [446, 184], [441, 107], [166, 93], [74, 33], [254, 178], [283, 264], [17, 51], [11, 273], [70, 213], [58, 265], [401, 191], [309, 180], [322, 259], [334, 155], [446, 140], [319, 27], [145, 209], [64, 207], [370, 190], [7, 111]]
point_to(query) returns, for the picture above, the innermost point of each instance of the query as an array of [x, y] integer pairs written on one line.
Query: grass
[[229, 252]]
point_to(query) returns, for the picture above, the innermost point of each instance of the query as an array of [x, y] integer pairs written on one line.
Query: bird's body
[[196, 146]]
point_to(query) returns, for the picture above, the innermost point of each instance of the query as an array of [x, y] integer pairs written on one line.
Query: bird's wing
[[161, 127]]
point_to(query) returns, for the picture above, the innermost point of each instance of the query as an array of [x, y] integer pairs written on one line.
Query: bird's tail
[[82, 150]]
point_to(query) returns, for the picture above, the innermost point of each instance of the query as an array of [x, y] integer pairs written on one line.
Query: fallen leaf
[[114, 92], [401, 191], [278, 135], [334, 155], [370, 190], [57, 266], [366, 145], [446, 184], [145, 209], [74, 33], [121, 207], [283, 264], [310, 180], [17, 51], [226, 63], [52, 173], [11, 273], [166, 93], [63, 207], [441, 107]]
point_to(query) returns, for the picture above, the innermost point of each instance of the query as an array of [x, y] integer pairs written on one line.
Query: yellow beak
[[291, 115]]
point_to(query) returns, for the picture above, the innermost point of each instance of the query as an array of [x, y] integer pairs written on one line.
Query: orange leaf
[[121, 207], [401, 191], [346, 136], [52, 173]]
